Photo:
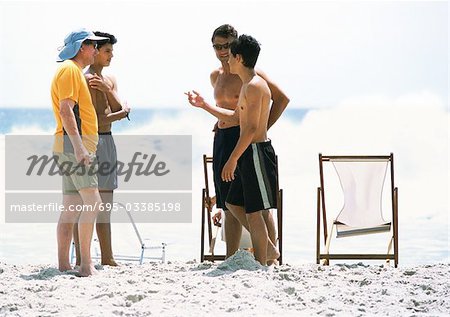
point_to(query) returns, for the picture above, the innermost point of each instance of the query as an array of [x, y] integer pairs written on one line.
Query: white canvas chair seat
[[362, 186], [362, 180]]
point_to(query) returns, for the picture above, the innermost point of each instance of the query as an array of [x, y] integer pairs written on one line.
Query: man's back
[[254, 100]]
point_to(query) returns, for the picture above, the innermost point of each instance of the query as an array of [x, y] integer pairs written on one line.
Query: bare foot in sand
[[110, 262], [272, 254], [87, 270], [273, 262], [64, 268]]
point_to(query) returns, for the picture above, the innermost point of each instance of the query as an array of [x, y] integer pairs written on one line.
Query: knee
[[254, 216]]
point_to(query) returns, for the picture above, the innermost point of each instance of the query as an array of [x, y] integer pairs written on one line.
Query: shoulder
[[214, 75], [68, 70], [69, 66], [261, 74], [254, 86], [258, 82], [111, 78]]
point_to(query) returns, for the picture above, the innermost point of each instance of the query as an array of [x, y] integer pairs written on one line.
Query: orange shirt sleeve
[[69, 83]]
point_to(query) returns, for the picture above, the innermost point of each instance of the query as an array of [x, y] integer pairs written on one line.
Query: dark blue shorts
[[224, 143]]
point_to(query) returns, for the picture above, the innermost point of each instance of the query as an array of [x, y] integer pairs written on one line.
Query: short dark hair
[[225, 30], [111, 39], [248, 47]]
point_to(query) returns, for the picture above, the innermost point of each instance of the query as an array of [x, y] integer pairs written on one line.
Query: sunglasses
[[219, 47]]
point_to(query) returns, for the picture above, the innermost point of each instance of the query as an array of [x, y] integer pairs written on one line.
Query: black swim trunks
[[224, 143], [255, 183]]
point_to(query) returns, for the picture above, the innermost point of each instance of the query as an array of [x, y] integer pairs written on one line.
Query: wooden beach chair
[[362, 180], [209, 231]]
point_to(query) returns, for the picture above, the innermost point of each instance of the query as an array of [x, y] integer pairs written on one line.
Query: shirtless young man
[[103, 90], [227, 87], [251, 166]]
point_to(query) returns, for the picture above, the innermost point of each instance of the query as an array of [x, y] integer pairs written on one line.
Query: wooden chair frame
[[321, 214]]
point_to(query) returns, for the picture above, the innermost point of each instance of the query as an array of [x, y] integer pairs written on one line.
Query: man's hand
[[127, 109], [210, 202], [228, 170], [216, 218], [195, 99], [83, 157], [99, 83]]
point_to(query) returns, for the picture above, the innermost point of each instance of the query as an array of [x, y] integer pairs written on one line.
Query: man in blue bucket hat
[[73, 43], [75, 145]]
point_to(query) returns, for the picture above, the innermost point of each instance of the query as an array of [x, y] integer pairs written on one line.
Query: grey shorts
[[107, 162], [75, 177]]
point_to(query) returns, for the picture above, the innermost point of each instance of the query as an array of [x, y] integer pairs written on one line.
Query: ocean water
[[298, 137], [14, 119]]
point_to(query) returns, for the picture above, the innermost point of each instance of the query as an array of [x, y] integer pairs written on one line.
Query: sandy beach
[[237, 287]]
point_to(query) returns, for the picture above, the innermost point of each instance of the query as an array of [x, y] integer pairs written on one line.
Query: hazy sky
[[320, 53]]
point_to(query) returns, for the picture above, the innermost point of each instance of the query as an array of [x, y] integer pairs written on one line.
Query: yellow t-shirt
[[69, 83]]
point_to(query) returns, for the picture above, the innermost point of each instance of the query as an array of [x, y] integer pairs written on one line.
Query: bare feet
[[64, 268], [273, 262], [272, 253], [87, 270], [110, 262]]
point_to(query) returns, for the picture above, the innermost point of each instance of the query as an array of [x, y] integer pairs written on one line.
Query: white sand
[[193, 289]]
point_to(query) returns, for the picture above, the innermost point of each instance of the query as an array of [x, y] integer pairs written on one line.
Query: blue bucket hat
[[72, 43]]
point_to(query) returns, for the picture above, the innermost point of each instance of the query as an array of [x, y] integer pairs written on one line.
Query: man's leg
[[233, 232], [64, 230], [258, 233], [240, 214], [91, 197], [270, 223], [103, 227]]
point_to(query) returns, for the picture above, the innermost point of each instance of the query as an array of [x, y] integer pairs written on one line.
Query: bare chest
[[226, 91]]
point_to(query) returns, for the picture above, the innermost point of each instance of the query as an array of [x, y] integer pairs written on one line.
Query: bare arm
[[279, 99], [213, 77], [249, 124], [109, 87], [70, 126], [104, 119], [111, 117], [222, 114]]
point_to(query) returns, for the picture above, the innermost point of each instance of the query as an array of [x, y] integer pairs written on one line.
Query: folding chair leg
[[142, 255], [163, 253], [388, 262], [327, 246]]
